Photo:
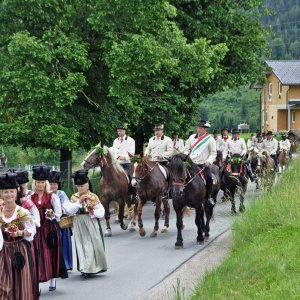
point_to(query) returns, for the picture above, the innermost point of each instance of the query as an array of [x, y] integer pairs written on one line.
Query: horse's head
[[139, 169], [178, 174], [235, 163], [97, 157]]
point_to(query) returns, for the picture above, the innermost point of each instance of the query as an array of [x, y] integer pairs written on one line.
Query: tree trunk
[[66, 166]]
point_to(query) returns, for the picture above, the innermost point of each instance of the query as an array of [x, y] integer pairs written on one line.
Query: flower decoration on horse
[[235, 165]]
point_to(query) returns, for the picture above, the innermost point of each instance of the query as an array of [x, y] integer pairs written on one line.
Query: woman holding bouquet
[[87, 228], [17, 230], [50, 263]]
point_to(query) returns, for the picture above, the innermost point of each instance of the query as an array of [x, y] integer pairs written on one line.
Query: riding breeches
[[209, 180]]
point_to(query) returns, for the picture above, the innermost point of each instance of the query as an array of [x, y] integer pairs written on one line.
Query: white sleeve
[[131, 148], [188, 146], [213, 151], [71, 208], [169, 151], [147, 151], [35, 216], [98, 211], [55, 202], [30, 227]]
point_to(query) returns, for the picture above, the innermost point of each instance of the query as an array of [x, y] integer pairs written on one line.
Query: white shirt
[[123, 147], [222, 143], [159, 147], [271, 145], [250, 143], [178, 144], [286, 145], [206, 153], [237, 146]]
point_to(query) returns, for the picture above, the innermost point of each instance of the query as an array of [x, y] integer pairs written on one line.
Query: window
[[279, 88], [293, 116], [270, 91]]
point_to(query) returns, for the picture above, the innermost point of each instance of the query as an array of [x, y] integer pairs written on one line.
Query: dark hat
[[22, 176], [40, 172], [235, 131], [215, 131], [205, 124], [54, 176], [158, 127], [225, 128], [269, 133], [8, 180], [80, 177], [121, 127]]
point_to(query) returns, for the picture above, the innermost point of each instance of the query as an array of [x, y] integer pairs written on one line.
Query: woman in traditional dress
[[17, 229], [51, 264], [66, 233], [24, 200], [88, 234]]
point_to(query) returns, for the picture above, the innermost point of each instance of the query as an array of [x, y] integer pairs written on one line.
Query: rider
[[202, 150], [285, 144], [237, 145], [178, 143], [271, 145], [160, 146]]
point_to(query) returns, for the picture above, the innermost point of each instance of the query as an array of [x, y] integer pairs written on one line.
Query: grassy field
[[264, 262]]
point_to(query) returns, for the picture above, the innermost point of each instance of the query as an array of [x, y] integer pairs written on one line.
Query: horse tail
[[186, 211]]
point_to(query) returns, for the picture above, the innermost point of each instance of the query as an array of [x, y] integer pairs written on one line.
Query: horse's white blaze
[[133, 180]]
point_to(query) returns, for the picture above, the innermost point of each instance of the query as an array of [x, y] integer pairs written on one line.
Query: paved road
[[137, 264]]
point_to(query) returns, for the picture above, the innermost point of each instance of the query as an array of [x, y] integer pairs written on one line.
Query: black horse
[[235, 181], [188, 189]]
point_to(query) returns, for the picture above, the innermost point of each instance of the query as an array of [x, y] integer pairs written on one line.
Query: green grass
[[264, 262]]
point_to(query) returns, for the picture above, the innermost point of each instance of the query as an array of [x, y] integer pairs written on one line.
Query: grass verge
[[264, 262]]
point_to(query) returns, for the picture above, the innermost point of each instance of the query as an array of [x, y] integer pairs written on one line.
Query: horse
[[283, 159], [114, 185], [189, 189], [151, 182], [235, 181], [265, 168], [219, 159]]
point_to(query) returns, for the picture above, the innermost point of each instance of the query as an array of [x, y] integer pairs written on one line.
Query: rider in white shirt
[[271, 145], [178, 143], [285, 144]]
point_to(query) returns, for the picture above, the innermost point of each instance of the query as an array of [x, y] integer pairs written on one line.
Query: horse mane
[[116, 165]]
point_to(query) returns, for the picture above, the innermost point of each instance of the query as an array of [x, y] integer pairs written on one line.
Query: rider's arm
[[213, 151], [131, 148], [188, 146], [169, 148]]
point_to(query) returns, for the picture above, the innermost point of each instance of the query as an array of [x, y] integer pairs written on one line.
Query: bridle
[[142, 177]]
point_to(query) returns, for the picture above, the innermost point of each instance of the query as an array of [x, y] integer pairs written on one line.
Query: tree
[[71, 71], [203, 113]]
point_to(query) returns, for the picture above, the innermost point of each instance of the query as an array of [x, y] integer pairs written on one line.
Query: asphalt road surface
[[136, 264]]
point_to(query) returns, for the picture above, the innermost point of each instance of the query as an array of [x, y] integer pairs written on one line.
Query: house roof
[[287, 71]]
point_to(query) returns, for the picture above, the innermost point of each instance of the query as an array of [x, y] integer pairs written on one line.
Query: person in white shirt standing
[[271, 145], [123, 149], [159, 146], [202, 149], [178, 143]]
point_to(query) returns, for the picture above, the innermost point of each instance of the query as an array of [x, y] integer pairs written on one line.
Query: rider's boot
[[209, 200]]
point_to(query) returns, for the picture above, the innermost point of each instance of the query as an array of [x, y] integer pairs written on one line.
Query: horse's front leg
[[131, 212], [140, 221], [108, 232], [199, 219], [244, 183], [179, 225], [232, 200], [123, 225], [167, 214], [116, 208], [156, 216]]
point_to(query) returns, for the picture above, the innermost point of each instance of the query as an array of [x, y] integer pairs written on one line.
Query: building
[[280, 96]]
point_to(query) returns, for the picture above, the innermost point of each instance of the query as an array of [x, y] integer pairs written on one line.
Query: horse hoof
[[178, 245], [124, 227], [108, 233], [164, 230], [200, 242], [242, 209], [142, 232], [206, 235], [131, 229], [153, 234]]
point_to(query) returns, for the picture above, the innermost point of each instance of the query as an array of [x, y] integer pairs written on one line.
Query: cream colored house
[[280, 97]]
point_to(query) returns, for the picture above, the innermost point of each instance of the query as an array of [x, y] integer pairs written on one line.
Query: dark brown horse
[[188, 189], [113, 185], [235, 181], [151, 183]]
